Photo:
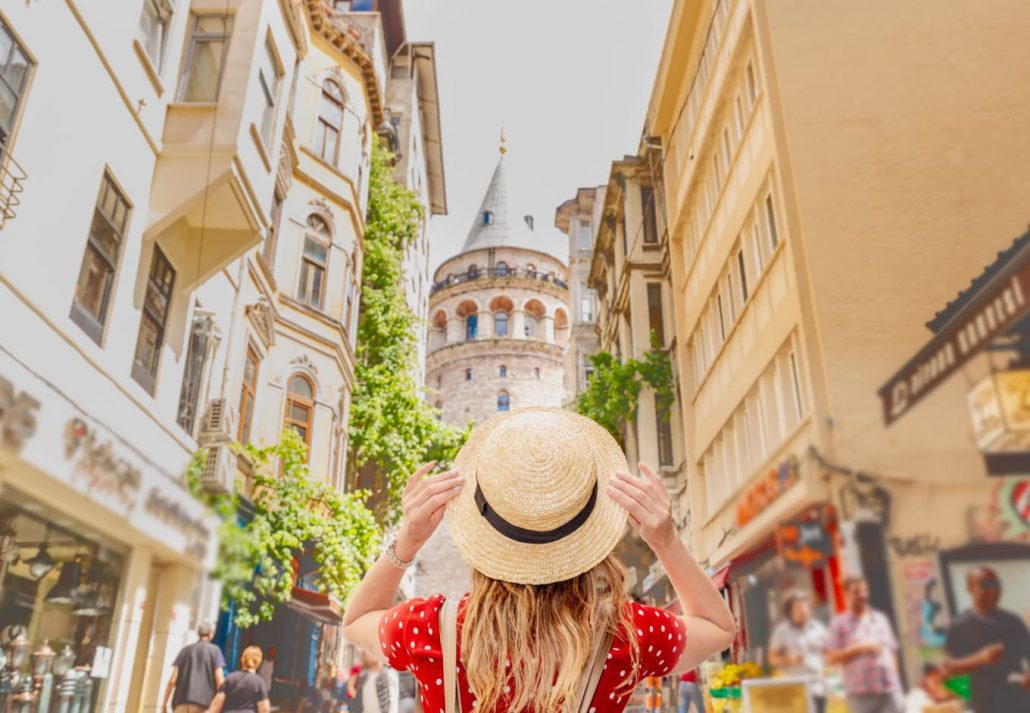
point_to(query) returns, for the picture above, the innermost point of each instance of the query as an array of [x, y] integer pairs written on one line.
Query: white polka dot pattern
[[661, 637]]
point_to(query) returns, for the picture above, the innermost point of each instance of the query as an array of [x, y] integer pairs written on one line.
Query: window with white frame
[[205, 58], [153, 28], [584, 234], [330, 121], [313, 264], [268, 77], [14, 72]]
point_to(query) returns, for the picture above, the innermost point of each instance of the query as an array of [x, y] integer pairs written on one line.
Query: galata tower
[[499, 329]]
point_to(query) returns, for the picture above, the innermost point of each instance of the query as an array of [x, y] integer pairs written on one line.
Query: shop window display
[[58, 584]]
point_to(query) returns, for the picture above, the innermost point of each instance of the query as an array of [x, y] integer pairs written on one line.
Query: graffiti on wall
[[1005, 517], [925, 614]]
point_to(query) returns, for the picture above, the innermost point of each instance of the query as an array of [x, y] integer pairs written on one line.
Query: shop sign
[[174, 515], [804, 543], [95, 459], [768, 488], [17, 415], [1000, 408], [995, 312]]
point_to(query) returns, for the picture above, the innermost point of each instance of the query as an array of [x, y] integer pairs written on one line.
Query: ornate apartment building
[[204, 212], [580, 218], [817, 220]]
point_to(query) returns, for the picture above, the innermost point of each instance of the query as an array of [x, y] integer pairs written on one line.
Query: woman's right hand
[[424, 502]]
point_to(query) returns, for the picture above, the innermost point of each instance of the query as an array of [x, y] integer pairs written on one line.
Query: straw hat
[[534, 509]]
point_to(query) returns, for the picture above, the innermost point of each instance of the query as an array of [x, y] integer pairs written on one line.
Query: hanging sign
[[1000, 408], [804, 543]]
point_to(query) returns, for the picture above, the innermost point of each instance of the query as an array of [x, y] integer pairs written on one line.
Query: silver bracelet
[[391, 555]]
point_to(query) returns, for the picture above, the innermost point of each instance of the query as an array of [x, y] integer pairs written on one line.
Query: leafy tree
[[292, 513], [613, 393], [392, 429]]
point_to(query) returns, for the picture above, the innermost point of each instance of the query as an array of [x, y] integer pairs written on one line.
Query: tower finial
[[503, 149]]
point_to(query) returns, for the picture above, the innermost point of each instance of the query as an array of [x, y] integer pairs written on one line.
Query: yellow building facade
[[834, 174]]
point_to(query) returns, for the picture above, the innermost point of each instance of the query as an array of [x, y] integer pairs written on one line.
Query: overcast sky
[[569, 80]]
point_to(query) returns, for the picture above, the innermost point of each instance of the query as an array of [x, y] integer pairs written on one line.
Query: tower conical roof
[[494, 226]]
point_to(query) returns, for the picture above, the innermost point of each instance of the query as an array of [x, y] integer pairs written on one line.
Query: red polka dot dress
[[410, 637]]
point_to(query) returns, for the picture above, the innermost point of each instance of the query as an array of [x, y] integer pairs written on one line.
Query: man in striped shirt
[[863, 643]]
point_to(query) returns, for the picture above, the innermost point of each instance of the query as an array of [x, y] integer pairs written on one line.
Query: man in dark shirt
[[197, 674], [992, 646]]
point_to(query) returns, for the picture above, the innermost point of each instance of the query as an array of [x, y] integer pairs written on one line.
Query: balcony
[[12, 176], [499, 273]]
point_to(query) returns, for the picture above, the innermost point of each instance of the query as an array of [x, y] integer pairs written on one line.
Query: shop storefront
[[103, 552]]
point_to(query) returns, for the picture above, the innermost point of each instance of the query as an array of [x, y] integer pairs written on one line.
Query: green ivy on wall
[[613, 392], [292, 513], [392, 429]]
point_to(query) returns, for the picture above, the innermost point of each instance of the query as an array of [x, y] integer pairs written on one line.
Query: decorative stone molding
[[263, 322]]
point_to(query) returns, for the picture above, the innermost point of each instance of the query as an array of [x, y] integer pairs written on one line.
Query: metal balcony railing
[[12, 177], [520, 273]]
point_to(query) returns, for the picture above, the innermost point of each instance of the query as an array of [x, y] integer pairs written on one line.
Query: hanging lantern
[[67, 583], [42, 660], [41, 563], [18, 650], [64, 661]]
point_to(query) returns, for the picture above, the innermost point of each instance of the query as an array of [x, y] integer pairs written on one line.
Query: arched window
[[468, 375], [502, 372], [501, 269], [534, 313], [501, 324], [503, 401], [300, 406], [531, 270], [311, 288], [488, 217], [330, 121], [536, 373], [473, 272], [529, 325], [471, 326]]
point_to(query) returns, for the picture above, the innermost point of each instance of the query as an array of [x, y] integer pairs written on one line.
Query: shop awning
[[996, 301], [317, 606]]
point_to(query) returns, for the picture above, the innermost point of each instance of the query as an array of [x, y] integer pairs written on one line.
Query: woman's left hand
[[648, 504]]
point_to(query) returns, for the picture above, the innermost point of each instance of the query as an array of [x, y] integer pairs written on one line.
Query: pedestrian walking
[[243, 691], [992, 646], [197, 674], [691, 699], [378, 687], [797, 646], [863, 643], [536, 503]]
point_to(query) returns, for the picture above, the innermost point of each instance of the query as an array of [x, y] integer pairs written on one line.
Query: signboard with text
[[804, 543]]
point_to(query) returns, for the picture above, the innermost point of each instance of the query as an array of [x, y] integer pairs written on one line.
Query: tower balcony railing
[[501, 272]]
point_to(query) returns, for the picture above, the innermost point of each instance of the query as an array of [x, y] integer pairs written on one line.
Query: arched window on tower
[[501, 269], [300, 406], [503, 401], [488, 217], [471, 326], [536, 373], [502, 372], [473, 272], [501, 324]]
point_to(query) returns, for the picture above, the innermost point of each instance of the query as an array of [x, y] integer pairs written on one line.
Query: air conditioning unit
[[219, 423], [219, 474]]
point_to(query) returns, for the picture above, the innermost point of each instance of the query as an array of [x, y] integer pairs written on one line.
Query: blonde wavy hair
[[537, 639]]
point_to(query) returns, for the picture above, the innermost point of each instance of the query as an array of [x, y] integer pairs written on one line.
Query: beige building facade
[[829, 187]]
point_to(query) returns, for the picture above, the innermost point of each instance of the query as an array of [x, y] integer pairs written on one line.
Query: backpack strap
[[591, 675], [449, 646]]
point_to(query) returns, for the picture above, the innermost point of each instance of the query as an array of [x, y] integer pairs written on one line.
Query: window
[[268, 78], [330, 121], [152, 322], [209, 43], [488, 217], [300, 407], [742, 276], [721, 316], [584, 234], [502, 372], [664, 429], [14, 69], [647, 204], [529, 325], [268, 249], [153, 26], [473, 272], [501, 269], [503, 401], [531, 270], [654, 312], [770, 219], [471, 326], [248, 393], [536, 373], [738, 115], [586, 308], [468, 375], [501, 324], [196, 359], [311, 290], [727, 151], [588, 370], [732, 301], [103, 247], [752, 84], [717, 172]]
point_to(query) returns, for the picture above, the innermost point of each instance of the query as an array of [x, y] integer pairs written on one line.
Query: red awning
[[315, 605]]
